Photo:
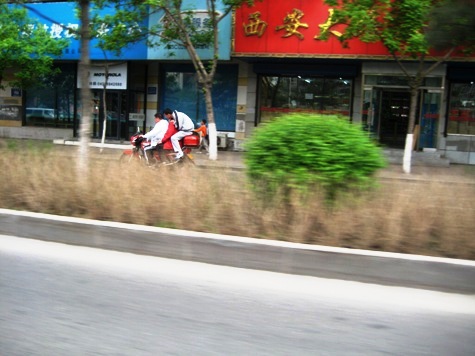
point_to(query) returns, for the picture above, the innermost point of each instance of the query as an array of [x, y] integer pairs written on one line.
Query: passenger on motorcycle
[[166, 142], [155, 136], [185, 127]]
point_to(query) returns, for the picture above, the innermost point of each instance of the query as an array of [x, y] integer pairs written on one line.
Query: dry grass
[[410, 217]]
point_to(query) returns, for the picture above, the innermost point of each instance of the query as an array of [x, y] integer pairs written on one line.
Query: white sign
[[136, 117], [117, 78]]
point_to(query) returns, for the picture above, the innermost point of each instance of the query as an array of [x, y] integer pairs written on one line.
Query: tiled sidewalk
[[454, 173]]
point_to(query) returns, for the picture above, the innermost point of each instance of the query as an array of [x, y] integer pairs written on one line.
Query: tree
[[323, 151], [401, 26], [452, 23], [85, 94], [25, 46], [177, 28]]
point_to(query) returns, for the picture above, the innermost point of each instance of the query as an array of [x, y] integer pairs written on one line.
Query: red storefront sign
[[292, 28]]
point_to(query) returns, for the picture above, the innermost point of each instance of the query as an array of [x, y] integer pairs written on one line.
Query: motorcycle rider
[[155, 136], [165, 141], [185, 127]]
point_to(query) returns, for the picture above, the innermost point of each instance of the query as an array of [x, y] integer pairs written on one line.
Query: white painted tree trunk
[[406, 161], [213, 141], [104, 105], [213, 132]]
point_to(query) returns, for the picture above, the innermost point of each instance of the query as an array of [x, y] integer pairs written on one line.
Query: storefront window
[[183, 93], [462, 109], [51, 102], [304, 94]]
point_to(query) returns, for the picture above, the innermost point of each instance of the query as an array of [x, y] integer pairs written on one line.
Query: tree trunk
[[212, 132], [406, 162], [85, 94], [104, 105]]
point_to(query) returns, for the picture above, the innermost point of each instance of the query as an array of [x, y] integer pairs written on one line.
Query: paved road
[[64, 300]]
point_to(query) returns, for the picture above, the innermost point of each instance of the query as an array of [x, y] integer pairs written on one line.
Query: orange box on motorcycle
[[192, 140]]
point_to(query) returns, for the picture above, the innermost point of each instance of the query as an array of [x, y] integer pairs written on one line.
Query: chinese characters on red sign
[[281, 27]]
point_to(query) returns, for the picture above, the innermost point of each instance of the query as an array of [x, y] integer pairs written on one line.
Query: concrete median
[[442, 274]]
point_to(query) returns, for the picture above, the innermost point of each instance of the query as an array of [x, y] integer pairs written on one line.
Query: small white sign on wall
[[117, 77]]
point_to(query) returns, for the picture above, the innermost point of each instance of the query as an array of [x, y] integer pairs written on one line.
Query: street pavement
[[59, 299]]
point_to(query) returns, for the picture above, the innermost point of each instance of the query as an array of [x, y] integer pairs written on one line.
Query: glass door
[[385, 115], [115, 109], [429, 119], [394, 118], [371, 111]]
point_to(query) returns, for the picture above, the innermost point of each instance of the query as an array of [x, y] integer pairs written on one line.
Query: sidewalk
[[453, 173]]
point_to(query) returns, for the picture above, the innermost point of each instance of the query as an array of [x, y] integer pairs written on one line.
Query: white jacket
[[183, 121], [156, 134]]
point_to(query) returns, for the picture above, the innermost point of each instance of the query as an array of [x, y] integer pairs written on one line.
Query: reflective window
[[309, 94], [51, 102], [462, 109], [182, 92]]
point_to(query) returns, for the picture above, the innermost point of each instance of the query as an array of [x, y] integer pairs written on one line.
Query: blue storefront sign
[[59, 16]]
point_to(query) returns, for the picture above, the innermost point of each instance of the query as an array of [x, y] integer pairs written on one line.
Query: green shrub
[[301, 151]]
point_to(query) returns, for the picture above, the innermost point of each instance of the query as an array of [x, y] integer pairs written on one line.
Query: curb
[[392, 269], [120, 146]]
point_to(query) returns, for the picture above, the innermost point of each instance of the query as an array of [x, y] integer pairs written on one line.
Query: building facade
[[290, 68], [141, 81], [272, 62]]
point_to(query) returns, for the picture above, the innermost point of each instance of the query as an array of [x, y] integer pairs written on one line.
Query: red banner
[[292, 28]]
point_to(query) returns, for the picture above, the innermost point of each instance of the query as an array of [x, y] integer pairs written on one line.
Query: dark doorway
[[116, 103], [394, 118]]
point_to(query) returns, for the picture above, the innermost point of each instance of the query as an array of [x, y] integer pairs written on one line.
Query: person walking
[[203, 131], [185, 127], [155, 136]]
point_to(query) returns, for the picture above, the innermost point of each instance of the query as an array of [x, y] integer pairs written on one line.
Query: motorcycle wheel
[[129, 158], [188, 160]]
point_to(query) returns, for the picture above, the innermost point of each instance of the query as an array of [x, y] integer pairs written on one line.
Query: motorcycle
[[160, 157]]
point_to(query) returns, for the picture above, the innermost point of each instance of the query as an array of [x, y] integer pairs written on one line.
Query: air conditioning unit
[[222, 140]]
